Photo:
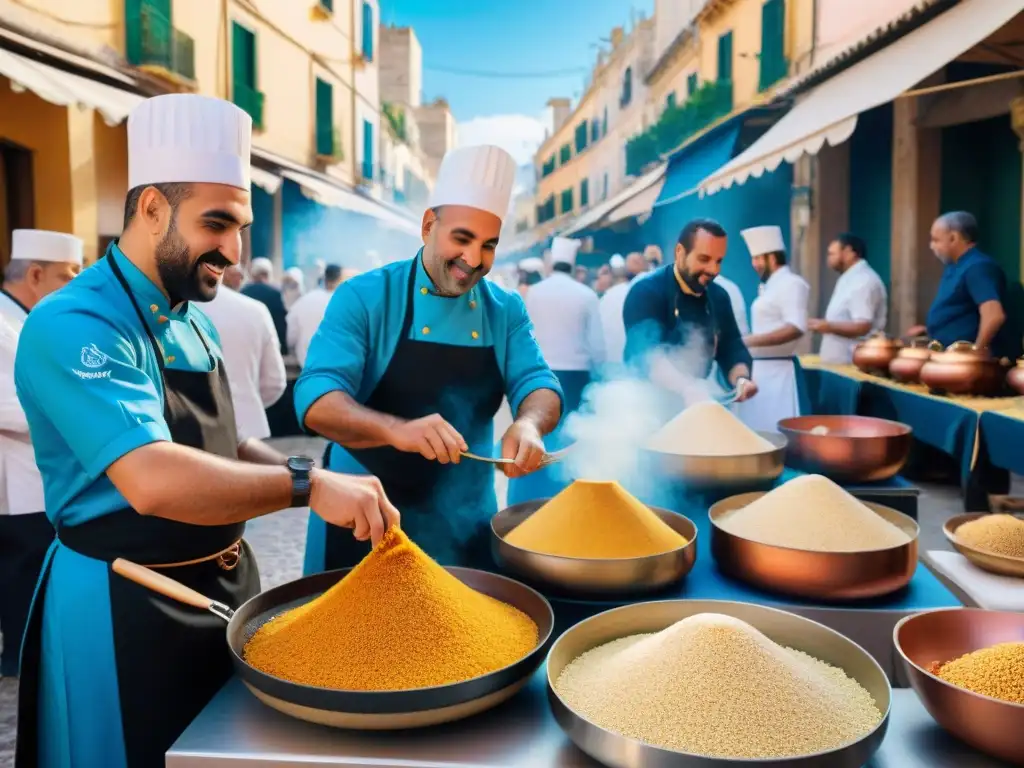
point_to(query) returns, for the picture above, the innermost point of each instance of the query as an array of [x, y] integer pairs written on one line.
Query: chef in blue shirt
[[970, 303], [410, 366], [123, 384]]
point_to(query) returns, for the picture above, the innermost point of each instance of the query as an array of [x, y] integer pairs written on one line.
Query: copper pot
[[874, 354], [1015, 377], [906, 367], [961, 369]]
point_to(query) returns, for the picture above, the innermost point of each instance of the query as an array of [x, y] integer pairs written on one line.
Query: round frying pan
[[363, 710]]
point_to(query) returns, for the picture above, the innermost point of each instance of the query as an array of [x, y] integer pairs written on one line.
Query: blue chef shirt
[[360, 330], [965, 285], [89, 381]]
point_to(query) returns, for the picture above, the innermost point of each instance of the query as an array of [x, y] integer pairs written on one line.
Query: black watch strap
[[301, 467]]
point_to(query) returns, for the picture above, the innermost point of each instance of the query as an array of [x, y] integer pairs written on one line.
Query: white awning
[[599, 211], [640, 204], [66, 89], [828, 113], [335, 196], [265, 180]]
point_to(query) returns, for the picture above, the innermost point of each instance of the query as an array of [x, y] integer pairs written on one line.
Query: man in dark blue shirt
[[262, 272], [970, 303], [680, 299]]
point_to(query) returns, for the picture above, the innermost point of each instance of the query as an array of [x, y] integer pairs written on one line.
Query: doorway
[[17, 195]]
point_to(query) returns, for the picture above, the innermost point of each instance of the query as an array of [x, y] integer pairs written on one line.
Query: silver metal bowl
[[607, 577], [723, 472], [787, 629]]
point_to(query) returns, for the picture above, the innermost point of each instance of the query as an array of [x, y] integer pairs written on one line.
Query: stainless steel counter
[[237, 731]]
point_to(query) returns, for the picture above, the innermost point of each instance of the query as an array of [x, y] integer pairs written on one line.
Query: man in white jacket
[[252, 357], [41, 262], [308, 311]]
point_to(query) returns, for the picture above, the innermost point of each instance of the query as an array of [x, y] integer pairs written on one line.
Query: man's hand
[[432, 437], [745, 389], [523, 443], [353, 501], [916, 330], [817, 325]]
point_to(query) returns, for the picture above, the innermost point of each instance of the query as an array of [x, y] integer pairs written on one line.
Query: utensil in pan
[[362, 710], [548, 460]]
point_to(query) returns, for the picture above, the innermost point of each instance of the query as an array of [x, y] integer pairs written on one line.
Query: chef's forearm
[[191, 486], [542, 408], [849, 329], [783, 335], [737, 372], [991, 318], [338, 417], [257, 452]]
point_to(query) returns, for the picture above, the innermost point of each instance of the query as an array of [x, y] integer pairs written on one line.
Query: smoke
[[625, 407]]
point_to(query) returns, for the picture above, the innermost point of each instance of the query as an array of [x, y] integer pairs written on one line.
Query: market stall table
[[237, 731], [986, 590]]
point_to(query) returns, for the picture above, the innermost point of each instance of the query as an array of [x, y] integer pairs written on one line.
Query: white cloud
[[519, 135]]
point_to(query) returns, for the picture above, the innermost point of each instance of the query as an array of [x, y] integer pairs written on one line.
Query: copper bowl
[[963, 370], [855, 449], [1015, 377], [702, 473], [1004, 565], [992, 726], [906, 367], [620, 576], [873, 354], [818, 575]]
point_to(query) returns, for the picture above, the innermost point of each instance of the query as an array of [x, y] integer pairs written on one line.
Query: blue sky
[[507, 36]]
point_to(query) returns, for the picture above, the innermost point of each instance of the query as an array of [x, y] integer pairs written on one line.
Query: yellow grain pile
[[997, 671], [708, 429], [595, 520], [811, 512], [713, 685], [397, 621], [996, 534]]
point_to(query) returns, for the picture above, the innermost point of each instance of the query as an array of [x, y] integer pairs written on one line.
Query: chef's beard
[[181, 275], [693, 280], [446, 282]]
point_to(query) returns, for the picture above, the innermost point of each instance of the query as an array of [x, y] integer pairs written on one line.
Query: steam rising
[[621, 411]]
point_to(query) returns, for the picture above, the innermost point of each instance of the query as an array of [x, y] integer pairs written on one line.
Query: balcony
[[251, 100], [677, 124], [153, 44], [329, 147]]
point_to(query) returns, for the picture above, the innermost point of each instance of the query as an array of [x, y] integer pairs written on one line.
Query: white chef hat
[[762, 240], [532, 264], [40, 245], [479, 177], [188, 138], [563, 250], [262, 266], [616, 261]]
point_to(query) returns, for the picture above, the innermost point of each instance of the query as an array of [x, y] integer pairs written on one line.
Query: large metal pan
[[787, 629], [849, 449], [363, 710], [703, 473], [619, 577]]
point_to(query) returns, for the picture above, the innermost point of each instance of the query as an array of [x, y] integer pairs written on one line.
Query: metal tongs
[[547, 461]]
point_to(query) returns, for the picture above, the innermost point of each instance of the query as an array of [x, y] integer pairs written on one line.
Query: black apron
[[441, 504], [170, 661]]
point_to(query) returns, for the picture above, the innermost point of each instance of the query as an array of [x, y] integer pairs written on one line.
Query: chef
[[567, 319], [858, 305], [123, 385], [683, 298], [778, 322], [412, 362], [531, 272], [41, 262]]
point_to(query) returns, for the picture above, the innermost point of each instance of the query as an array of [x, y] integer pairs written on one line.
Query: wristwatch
[[300, 467]]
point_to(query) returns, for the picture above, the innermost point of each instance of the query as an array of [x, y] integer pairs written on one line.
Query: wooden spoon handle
[[157, 582]]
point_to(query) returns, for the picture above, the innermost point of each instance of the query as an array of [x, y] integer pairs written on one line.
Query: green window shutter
[[324, 118], [584, 193], [328, 4], [691, 84], [565, 155], [725, 57], [244, 92], [566, 201], [670, 101], [367, 30], [367, 150], [773, 43], [581, 136]]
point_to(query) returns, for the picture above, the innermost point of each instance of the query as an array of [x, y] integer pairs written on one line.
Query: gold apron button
[[426, 330], [423, 290], [162, 319], [472, 305], [171, 359], [475, 335], [153, 307]]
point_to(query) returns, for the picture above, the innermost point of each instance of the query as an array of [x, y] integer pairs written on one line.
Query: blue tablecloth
[[1002, 440], [827, 392]]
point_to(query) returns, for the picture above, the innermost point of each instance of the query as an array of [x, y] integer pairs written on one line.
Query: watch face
[[300, 463]]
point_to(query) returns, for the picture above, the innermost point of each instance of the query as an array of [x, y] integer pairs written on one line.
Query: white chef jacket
[[252, 358], [21, 486], [613, 328], [859, 296], [739, 304], [782, 301], [566, 318], [304, 318]]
